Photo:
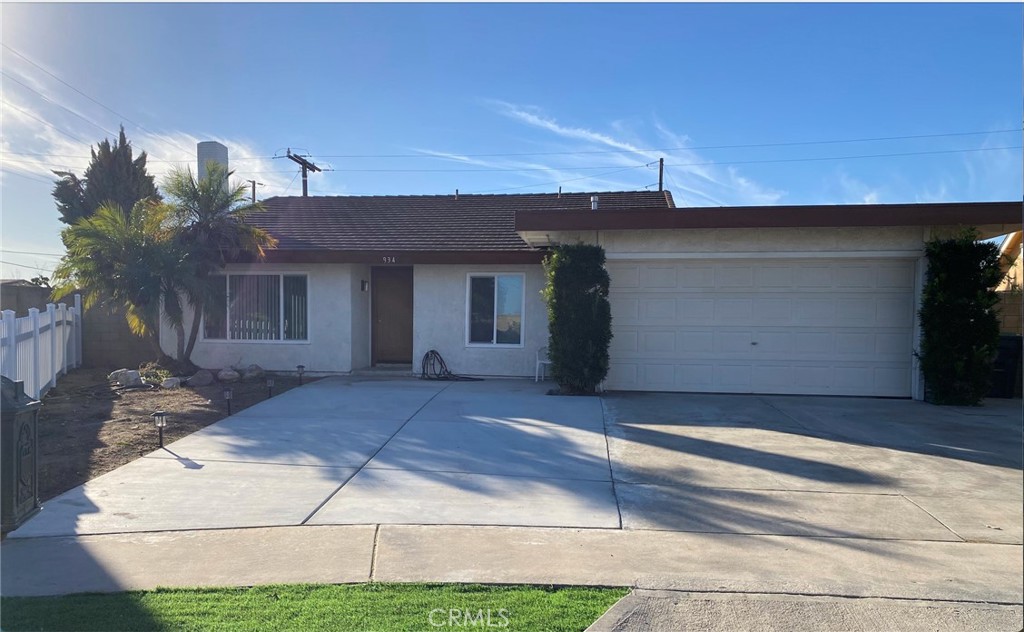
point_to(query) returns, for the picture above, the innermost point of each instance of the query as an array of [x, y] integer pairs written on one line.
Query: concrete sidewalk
[[729, 612], [842, 567]]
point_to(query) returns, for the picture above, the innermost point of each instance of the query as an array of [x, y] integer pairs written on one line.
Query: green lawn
[[317, 607]]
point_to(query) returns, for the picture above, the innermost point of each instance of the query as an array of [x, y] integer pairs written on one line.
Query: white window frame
[[227, 311], [522, 315]]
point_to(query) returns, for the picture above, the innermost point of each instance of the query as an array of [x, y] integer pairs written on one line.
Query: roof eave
[[852, 215], [405, 257]]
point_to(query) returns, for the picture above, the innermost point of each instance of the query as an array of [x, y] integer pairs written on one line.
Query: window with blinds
[[258, 307]]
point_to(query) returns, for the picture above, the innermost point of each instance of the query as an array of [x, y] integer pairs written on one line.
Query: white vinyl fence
[[35, 349]]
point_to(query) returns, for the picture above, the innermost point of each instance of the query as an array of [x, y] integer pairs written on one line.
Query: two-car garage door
[[804, 326]]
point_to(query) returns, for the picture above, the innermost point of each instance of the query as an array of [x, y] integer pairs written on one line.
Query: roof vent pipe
[[593, 202]]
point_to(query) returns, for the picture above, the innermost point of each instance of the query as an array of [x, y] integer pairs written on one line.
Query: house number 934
[[388, 259]]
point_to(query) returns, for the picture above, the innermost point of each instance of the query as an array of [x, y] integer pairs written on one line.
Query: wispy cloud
[[74, 125], [687, 174]]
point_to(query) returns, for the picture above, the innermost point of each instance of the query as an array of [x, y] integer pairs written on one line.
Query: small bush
[[579, 317], [959, 324]]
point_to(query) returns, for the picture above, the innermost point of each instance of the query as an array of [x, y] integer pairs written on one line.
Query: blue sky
[[574, 95]]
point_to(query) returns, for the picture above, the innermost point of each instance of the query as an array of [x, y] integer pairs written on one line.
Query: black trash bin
[[1004, 370], [19, 464]]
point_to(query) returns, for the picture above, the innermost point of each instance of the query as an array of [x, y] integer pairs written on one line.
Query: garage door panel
[[855, 311], [625, 310], [820, 326], [811, 311], [814, 342], [893, 309], [854, 276], [696, 311], [694, 342], [662, 310], [658, 343], [733, 311], [661, 377], [735, 277], [624, 344], [733, 376], [696, 277], [774, 311], [774, 277], [695, 377], [624, 276], [899, 277], [658, 276]]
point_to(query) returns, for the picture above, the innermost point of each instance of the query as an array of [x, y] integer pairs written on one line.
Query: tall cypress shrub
[[959, 324], [579, 317]]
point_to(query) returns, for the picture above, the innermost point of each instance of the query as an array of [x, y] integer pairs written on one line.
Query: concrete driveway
[[364, 451], [500, 452], [376, 479]]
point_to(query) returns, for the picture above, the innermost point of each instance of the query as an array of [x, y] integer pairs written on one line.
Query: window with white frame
[[494, 311], [258, 307]]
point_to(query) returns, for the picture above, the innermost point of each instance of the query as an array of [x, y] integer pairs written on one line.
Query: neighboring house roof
[[941, 214], [422, 228]]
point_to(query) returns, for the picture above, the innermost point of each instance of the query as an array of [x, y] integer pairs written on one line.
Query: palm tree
[[131, 259], [212, 231]]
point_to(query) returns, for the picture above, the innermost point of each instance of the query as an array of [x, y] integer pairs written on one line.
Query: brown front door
[[391, 296]]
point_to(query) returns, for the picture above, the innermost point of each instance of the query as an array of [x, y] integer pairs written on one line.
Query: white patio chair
[[542, 361]]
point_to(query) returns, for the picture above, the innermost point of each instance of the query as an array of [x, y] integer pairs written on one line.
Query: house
[[788, 299], [1011, 311]]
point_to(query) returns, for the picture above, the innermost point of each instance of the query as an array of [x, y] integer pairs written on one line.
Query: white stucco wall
[[439, 320], [329, 348]]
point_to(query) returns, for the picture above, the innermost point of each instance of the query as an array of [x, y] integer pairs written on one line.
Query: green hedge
[[959, 324], [579, 317]]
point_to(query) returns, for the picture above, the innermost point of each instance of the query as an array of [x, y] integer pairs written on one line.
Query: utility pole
[[306, 166], [661, 174], [254, 183]]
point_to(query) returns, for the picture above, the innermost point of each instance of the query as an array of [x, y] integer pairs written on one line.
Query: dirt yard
[[88, 427]]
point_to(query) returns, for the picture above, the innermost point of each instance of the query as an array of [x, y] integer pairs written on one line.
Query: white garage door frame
[[659, 349]]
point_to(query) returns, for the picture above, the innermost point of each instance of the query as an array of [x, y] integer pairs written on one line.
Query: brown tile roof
[[421, 223]]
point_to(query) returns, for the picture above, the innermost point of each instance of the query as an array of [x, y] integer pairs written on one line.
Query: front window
[[257, 307], [495, 310]]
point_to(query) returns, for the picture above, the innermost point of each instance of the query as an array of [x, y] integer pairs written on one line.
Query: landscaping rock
[[201, 378], [253, 372], [126, 377], [171, 382], [228, 375]]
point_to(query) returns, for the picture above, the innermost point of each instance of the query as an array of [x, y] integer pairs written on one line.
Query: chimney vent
[[593, 202], [211, 150]]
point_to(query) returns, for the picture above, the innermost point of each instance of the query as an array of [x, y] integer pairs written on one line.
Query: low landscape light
[[302, 369], [227, 398], [160, 419], [270, 387]]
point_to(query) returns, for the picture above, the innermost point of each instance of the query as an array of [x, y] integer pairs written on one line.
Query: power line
[[289, 187], [109, 109], [29, 114], [25, 265], [544, 184], [681, 164], [693, 148], [148, 160], [27, 252], [26, 176], [909, 153], [607, 151], [48, 100]]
